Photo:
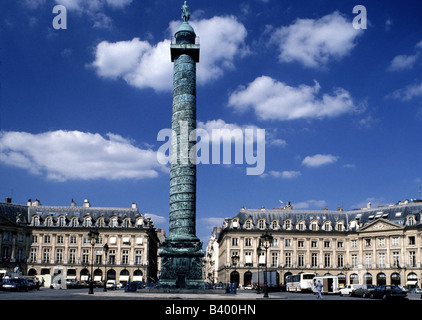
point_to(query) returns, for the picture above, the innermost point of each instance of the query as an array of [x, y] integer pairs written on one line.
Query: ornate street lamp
[[258, 250], [105, 266], [93, 237], [266, 242]]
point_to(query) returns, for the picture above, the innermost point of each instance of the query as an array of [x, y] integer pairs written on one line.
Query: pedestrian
[[37, 283], [318, 286]]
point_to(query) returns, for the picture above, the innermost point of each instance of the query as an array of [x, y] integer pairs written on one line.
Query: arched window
[[48, 222], [340, 225], [36, 220], [87, 222], [327, 226], [410, 220], [314, 225], [75, 222], [62, 221], [274, 224], [301, 225], [288, 224], [248, 224], [113, 222]]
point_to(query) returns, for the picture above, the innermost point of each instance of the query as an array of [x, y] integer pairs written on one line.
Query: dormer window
[[140, 222], [261, 224], [301, 225], [274, 224], [100, 222], [35, 220], [340, 226], [248, 224], [327, 226], [126, 223], [113, 222], [314, 226], [62, 221], [75, 222], [48, 222], [87, 222], [410, 221], [288, 224], [235, 224]]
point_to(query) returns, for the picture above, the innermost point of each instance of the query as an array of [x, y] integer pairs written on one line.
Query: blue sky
[[81, 107]]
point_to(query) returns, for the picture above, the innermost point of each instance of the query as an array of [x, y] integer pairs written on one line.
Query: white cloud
[[94, 10], [319, 160], [314, 42], [284, 174], [274, 100], [403, 62], [74, 155], [310, 204], [92, 6], [407, 93], [211, 222], [222, 40], [158, 220]]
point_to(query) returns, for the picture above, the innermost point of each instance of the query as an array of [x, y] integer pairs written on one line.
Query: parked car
[[111, 285], [364, 291], [349, 289], [15, 284], [387, 292]]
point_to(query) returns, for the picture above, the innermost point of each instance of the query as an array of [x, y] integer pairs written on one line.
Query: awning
[[124, 278], [137, 278], [411, 283], [97, 278]]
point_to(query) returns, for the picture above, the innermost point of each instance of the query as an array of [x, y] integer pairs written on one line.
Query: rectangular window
[[354, 260], [138, 257], [59, 256], [72, 256], [314, 258], [368, 260], [327, 260], [288, 259], [46, 255], [274, 259], [301, 260]]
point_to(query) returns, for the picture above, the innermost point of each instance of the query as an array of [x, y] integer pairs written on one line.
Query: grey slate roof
[[25, 213], [14, 213], [396, 214]]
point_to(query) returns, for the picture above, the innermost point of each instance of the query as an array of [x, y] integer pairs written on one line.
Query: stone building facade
[[56, 240], [380, 245]]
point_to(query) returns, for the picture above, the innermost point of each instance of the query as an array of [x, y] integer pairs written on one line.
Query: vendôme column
[[181, 254]]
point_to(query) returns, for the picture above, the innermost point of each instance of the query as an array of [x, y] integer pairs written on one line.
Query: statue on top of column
[[185, 12]]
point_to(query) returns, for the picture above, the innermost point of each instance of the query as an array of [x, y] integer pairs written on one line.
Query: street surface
[[120, 294]]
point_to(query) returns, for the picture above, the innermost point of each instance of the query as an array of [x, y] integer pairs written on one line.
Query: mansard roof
[[17, 214], [396, 214], [82, 212]]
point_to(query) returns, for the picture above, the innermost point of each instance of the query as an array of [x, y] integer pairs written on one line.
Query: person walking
[[318, 286]]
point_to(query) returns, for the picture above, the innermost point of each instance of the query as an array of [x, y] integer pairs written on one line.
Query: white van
[[111, 284], [329, 284], [349, 289]]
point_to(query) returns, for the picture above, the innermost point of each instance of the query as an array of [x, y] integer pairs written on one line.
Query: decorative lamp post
[[105, 266], [93, 237], [259, 250], [266, 241]]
